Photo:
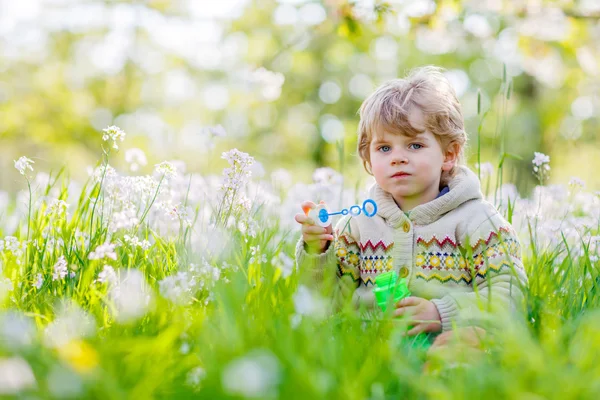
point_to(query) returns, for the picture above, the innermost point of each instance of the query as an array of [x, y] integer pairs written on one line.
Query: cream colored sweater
[[456, 250]]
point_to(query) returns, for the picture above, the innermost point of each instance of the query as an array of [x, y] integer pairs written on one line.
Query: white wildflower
[[256, 256], [295, 320], [133, 241], [71, 323], [13, 245], [178, 288], [540, 159], [106, 250], [308, 303], [23, 164], [486, 169], [215, 131], [327, 176], [104, 170], [256, 375], [60, 269], [57, 208], [166, 168], [131, 296], [39, 281], [284, 263], [136, 158], [115, 134], [541, 166], [124, 219], [194, 377], [281, 178], [576, 183], [16, 331], [108, 275], [15, 376], [6, 286], [235, 179]]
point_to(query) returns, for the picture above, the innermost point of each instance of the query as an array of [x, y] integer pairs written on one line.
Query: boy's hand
[[423, 314], [315, 237]]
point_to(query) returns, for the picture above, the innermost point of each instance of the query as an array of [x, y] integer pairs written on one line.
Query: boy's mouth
[[400, 174]]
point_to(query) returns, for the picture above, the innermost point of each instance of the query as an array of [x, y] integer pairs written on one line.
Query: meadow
[[178, 285]]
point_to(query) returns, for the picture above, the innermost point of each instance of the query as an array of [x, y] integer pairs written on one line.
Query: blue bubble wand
[[322, 217]]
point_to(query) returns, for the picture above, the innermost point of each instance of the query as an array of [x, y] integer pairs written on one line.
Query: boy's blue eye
[[385, 147], [415, 144]]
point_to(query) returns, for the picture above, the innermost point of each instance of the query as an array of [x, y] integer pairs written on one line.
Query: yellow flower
[[379, 265], [368, 264], [449, 262], [490, 252], [342, 252], [434, 261], [462, 263], [79, 355], [420, 260]]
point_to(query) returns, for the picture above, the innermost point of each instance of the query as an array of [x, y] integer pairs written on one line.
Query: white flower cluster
[[134, 241], [106, 250], [235, 178], [107, 275], [136, 158], [23, 164], [60, 269], [114, 134], [57, 208], [255, 375], [541, 166], [12, 244], [256, 257], [184, 286], [166, 169]]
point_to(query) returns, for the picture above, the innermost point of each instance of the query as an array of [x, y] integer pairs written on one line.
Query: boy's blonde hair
[[387, 109]]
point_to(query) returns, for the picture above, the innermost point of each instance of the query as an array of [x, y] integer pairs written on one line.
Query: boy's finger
[[404, 311], [307, 206], [316, 238], [408, 301], [314, 229], [416, 330], [303, 219]]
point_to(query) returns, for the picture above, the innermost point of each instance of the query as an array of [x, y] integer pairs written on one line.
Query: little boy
[[460, 257]]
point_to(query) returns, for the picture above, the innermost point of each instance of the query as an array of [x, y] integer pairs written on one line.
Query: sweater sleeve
[[336, 271], [498, 278]]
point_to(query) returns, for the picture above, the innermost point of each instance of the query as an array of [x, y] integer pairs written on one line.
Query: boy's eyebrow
[[420, 136]]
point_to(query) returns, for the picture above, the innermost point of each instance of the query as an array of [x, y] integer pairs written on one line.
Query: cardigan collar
[[463, 187]]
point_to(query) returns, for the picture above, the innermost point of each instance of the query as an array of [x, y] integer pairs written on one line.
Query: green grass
[[241, 330]]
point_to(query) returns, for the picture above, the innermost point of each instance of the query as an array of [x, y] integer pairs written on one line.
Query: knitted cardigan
[[456, 250]]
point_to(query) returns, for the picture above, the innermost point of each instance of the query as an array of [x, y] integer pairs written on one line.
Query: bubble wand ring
[[322, 216]]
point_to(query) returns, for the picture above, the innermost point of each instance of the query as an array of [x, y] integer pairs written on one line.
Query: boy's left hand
[[423, 314]]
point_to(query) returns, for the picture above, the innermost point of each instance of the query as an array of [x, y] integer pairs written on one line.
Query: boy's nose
[[399, 158]]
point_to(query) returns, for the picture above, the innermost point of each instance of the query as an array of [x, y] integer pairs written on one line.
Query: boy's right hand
[[316, 237]]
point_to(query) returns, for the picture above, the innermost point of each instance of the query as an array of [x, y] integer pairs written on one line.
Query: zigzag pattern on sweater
[[463, 277], [428, 243], [374, 247], [492, 235]]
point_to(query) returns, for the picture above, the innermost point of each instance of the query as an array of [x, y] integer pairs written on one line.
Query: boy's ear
[[451, 156]]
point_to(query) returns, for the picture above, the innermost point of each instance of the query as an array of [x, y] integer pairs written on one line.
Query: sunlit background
[[282, 80]]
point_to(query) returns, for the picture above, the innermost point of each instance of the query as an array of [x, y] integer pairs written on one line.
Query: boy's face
[[408, 168]]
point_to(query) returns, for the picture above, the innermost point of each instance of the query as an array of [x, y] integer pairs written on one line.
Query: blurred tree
[[285, 78]]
